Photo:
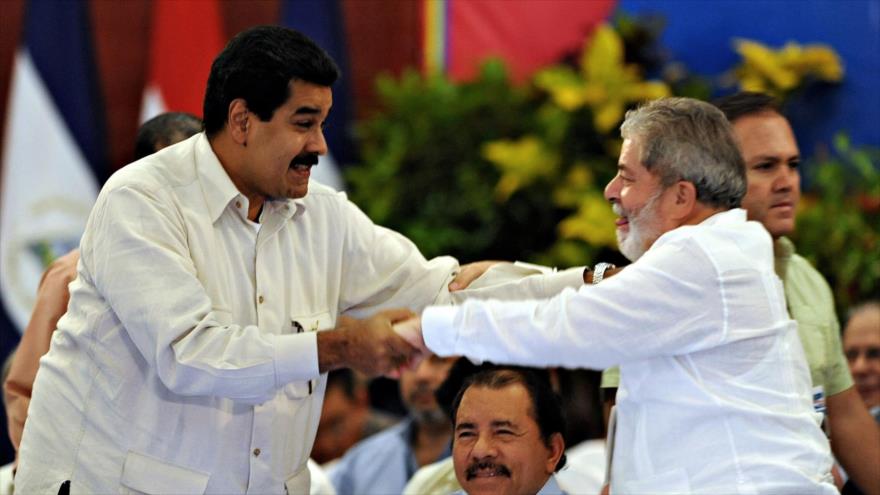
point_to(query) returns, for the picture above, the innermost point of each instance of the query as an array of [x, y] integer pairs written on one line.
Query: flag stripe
[[434, 34], [321, 20], [57, 35], [48, 187], [185, 38]]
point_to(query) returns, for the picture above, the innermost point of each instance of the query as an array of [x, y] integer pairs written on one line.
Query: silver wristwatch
[[599, 271]]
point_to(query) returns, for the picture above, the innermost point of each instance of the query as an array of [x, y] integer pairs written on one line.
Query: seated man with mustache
[[507, 439]]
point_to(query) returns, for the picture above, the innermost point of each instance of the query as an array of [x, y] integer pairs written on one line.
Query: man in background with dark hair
[[164, 130], [508, 429], [421, 438], [346, 417]]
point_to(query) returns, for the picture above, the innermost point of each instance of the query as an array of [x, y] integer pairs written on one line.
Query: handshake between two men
[[383, 344], [387, 342]]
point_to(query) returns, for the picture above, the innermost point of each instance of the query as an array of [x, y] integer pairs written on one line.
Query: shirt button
[[257, 452], [260, 299], [238, 204]]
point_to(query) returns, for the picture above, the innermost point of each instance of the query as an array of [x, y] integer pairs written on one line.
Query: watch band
[[599, 271]]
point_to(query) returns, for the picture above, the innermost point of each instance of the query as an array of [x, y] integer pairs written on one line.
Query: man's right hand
[[370, 346]]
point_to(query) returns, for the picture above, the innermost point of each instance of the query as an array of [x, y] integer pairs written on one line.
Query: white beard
[[643, 228]]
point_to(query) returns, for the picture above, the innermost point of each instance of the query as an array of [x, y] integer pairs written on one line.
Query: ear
[[238, 121], [557, 448], [684, 199]]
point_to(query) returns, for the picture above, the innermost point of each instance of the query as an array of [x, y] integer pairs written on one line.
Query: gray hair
[[690, 140]]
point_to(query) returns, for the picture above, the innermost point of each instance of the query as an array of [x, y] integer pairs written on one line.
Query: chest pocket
[[302, 324]]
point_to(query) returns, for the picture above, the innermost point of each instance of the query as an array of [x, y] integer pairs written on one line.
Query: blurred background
[[478, 128]]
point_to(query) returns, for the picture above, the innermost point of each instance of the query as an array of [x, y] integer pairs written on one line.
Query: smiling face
[[636, 196], [497, 445], [280, 152], [772, 158]]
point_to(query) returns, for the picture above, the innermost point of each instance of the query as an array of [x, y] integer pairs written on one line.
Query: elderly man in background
[[715, 391], [346, 417], [508, 428], [861, 345]]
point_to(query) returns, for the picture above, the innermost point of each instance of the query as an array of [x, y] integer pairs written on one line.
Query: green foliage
[[838, 226], [424, 175], [486, 169]]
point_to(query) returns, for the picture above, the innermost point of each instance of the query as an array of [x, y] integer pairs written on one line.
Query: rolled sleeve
[[514, 281]]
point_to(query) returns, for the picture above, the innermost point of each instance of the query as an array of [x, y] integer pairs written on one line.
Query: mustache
[[305, 159], [500, 469]]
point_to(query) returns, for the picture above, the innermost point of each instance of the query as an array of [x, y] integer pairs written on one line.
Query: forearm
[[515, 282], [855, 440], [17, 402], [371, 346]]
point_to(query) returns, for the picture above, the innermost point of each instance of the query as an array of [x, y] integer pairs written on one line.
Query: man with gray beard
[[384, 462], [715, 390]]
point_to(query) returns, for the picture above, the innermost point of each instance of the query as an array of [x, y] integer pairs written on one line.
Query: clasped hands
[[391, 342], [386, 343]]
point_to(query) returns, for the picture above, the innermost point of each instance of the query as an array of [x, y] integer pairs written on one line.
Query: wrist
[[599, 271], [332, 349]]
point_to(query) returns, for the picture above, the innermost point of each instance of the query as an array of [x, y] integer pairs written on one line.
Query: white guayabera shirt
[[715, 391], [187, 361]]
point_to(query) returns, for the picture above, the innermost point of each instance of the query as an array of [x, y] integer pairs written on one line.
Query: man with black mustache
[[508, 434], [212, 296]]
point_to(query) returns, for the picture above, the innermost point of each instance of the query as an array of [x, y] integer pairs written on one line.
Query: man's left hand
[[468, 273]]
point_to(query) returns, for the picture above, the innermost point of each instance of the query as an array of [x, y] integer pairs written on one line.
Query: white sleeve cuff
[[296, 357], [554, 283], [438, 331]]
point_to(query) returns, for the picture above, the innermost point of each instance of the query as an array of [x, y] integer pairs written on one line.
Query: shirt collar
[[734, 215], [551, 487], [783, 250], [216, 184], [219, 189]]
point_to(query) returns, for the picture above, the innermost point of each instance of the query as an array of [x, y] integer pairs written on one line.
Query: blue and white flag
[[54, 140], [322, 21]]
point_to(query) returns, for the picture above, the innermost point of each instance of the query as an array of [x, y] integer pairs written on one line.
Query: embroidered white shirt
[[187, 361]]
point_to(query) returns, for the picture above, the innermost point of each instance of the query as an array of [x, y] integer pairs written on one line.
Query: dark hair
[[690, 140], [258, 65], [546, 408], [344, 379], [746, 103], [164, 130]]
